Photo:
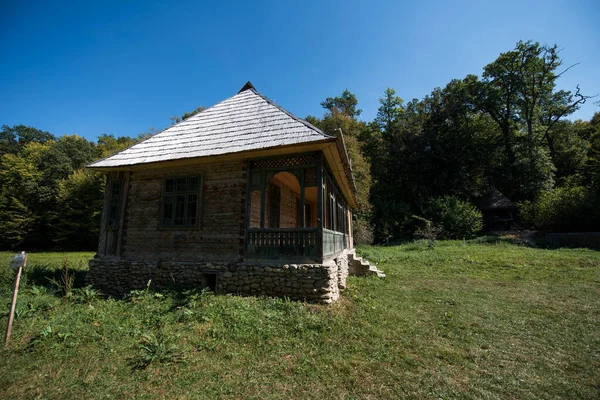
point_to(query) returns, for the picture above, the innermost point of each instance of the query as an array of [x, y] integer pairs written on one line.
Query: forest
[[420, 165]]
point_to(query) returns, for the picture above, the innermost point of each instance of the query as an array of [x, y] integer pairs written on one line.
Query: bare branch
[[558, 76]]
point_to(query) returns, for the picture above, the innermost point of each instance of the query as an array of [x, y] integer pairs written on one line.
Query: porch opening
[[294, 211]]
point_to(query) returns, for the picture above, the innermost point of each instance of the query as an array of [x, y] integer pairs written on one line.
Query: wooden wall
[[220, 234]]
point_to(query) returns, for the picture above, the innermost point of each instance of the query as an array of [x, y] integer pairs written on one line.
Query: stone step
[[362, 267]]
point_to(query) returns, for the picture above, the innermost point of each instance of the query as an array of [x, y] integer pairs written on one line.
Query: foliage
[[566, 209], [47, 198], [362, 233], [458, 218], [79, 201], [345, 103], [177, 119]]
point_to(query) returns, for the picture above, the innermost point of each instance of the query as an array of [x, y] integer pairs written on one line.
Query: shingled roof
[[246, 121], [493, 199]]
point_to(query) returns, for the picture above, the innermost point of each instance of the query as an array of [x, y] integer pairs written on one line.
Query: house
[[498, 211], [243, 197]]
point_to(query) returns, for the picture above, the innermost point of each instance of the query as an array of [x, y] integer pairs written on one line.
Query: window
[[181, 201], [114, 205]]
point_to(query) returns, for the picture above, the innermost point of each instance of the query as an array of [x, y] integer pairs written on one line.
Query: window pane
[[170, 186], [181, 184], [168, 208], [113, 213], [191, 206], [179, 206], [181, 201], [115, 189], [192, 184]]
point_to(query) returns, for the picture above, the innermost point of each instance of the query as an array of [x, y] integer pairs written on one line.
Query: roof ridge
[[302, 121]]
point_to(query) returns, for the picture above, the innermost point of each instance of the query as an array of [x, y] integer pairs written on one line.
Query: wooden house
[[243, 197]]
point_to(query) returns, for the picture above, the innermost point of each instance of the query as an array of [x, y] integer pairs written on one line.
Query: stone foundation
[[319, 283]]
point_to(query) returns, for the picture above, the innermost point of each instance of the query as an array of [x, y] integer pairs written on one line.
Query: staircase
[[360, 267]]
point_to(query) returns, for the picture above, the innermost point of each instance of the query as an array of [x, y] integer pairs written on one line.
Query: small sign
[[18, 261]]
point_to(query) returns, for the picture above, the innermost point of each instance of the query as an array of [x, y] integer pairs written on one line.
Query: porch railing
[[333, 242], [272, 243]]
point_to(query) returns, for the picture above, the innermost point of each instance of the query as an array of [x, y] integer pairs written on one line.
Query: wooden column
[[320, 213]]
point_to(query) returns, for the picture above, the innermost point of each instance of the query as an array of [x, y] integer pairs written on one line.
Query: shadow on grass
[[512, 239], [42, 276]]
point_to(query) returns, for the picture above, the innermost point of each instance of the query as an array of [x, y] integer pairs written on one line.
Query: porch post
[[320, 205]]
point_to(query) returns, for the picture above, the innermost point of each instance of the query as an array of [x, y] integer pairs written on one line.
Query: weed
[[156, 348], [87, 294], [64, 284]]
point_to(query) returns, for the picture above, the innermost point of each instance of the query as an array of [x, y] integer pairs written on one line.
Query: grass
[[475, 319]]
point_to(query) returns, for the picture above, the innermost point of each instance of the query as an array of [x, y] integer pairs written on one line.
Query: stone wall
[[343, 270], [320, 283]]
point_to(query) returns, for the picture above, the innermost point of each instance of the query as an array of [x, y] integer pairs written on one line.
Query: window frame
[[199, 203]]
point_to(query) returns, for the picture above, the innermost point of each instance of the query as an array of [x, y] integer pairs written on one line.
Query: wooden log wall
[[219, 235]]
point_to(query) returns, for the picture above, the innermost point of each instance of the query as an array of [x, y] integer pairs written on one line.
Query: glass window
[[181, 201]]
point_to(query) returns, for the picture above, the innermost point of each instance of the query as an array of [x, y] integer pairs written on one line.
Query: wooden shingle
[[244, 122]]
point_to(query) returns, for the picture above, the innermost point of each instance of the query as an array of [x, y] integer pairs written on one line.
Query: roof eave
[[237, 154]]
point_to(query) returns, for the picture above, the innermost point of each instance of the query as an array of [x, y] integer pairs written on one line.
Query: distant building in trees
[[498, 211]]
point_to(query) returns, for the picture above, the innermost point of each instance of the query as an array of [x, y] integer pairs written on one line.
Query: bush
[[458, 218], [567, 209]]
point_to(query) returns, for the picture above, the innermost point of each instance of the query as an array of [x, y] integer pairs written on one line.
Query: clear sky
[[121, 67]]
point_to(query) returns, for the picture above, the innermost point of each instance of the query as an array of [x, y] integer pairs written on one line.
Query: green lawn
[[465, 320]]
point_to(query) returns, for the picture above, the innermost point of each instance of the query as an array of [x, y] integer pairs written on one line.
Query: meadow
[[480, 319]]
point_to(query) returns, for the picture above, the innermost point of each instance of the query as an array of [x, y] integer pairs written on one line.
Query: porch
[[295, 210]]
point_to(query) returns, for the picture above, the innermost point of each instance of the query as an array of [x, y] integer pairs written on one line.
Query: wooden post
[[13, 303]]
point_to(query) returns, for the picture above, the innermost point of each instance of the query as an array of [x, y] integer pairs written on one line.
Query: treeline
[[429, 159], [419, 166], [48, 200]]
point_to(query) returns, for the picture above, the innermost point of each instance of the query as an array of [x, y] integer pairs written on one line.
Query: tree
[[518, 91], [13, 139], [177, 119], [345, 103], [77, 217]]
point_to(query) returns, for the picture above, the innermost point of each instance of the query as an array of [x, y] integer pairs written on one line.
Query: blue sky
[[123, 67]]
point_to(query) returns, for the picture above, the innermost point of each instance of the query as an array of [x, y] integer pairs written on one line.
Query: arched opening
[[282, 201]]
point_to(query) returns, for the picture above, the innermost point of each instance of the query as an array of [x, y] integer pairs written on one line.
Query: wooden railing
[[273, 243]]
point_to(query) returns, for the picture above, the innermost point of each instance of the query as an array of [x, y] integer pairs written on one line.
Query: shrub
[[458, 218], [429, 231], [567, 209]]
